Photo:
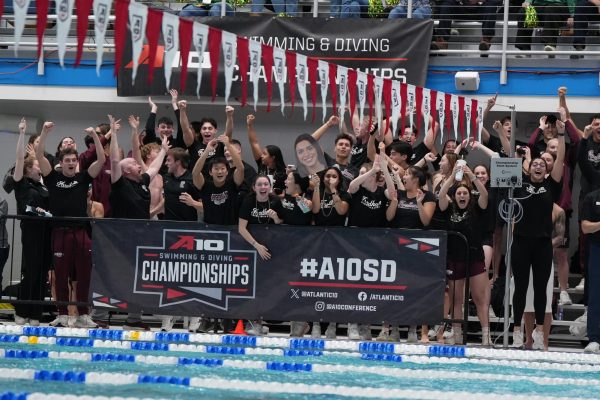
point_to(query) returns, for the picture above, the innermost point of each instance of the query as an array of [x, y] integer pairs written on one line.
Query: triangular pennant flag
[[467, 108], [186, 29], [396, 100], [403, 105], [454, 107], [243, 59], [324, 79], [20, 12], [461, 117], [302, 76], [1, 8], [424, 110], [42, 17], [101, 11], [214, 46], [448, 113], [170, 31], [200, 40], [138, 15], [333, 87], [83, 12], [418, 107], [378, 89], [312, 77], [280, 73], [387, 100], [342, 79], [255, 49], [370, 96], [441, 109], [267, 58], [64, 15], [361, 91], [433, 106], [411, 101], [352, 92], [290, 62], [474, 116], [229, 43], [479, 120], [153, 28]]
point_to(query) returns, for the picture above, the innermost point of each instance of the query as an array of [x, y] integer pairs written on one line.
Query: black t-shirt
[[255, 212], [173, 187], [295, 211], [470, 223], [407, 213], [349, 172], [220, 203], [30, 193], [277, 177], [328, 215], [536, 200], [495, 144], [68, 195], [438, 220], [197, 148], [419, 151], [489, 214], [367, 209], [359, 154], [591, 212], [130, 199]]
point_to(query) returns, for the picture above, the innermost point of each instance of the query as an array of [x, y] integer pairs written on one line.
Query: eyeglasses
[[535, 165]]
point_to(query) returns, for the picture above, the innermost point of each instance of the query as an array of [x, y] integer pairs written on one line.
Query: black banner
[[333, 274], [395, 49]]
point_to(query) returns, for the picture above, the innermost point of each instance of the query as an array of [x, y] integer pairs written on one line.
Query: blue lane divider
[[301, 353], [208, 362], [60, 376], [106, 334], [243, 340], [74, 342], [374, 347], [112, 357], [381, 357], [9, 338], [225, 350], [13, 396], [39, 331], [149, 346], [174, 380], [447, 351], [307, 344], [291, 367], [172, 337], [25, 354]]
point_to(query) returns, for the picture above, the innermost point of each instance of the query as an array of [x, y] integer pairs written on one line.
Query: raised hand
[[134, 121], [115, 124], [89, 130], [543, 124], [174, 95], [229, 111], [560, 126], [563, 114], [430, 157], [22, 125], [250, 119], [223, 139], [165, 143], [212, 145], [420, 196], [48, 125], [333, 120], [562, 91], [182, 104], [153, 106]]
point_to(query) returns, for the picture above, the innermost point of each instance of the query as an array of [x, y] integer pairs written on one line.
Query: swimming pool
[[43, 362]]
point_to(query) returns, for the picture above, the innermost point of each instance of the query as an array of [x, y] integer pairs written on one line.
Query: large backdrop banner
[[333, 274], [392, 49]]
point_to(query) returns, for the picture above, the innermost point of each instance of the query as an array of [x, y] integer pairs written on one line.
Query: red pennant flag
[[448, 112], [312, 77], [370, 95], [352, 76], [1, 8], [404, 95], [121, 20], [474, 123], [267, 56], [243, 59], [461, 117], [418, 106], [290, 58], [387, 101], [333, 86], [83, 12], [214, 49], [433, 106], [42, 18], [186, 30], [153, 28]]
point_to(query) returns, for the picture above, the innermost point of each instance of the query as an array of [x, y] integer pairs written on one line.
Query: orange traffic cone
[[239, 329]]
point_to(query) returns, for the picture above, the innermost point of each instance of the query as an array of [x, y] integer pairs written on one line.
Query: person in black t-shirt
[[164, 125], [269, 159], [413, 208], [249, 170], [330, 203], [181, 195], [590, 226], [71, 243], [296, 209], [465, 216], [220, 193], [532, 244]]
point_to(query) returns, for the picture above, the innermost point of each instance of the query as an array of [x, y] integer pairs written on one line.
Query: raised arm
[[356, 182], [229, 121], [483, 193], [197, 175], [45, 166], [115, 156], [18, 172], [238, 174], [485, 134], [188, 134], [177, 140], [389, 182], [444, 199], [372, 148], [557, 170], [154, 167], [136, 152], [503, 138], [431, 135], [316, 196], [96, 167], [252, 139], [334, 120]]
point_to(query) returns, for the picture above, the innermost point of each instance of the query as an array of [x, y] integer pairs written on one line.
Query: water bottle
[[459, 174], [559, 312]]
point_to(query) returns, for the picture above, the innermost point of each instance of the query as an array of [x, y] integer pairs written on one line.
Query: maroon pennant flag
[[403, 95], [352, 91], [153, 28], [214, 49], [267, 56], [121, 20], [290, 60], [333, 86], [419, 107], [433, 106], [461, 117], [387, 101], [83, 12], [448, 112], [186, 29], [42, 18], [370, 95], [312, 76], [474, 123], [1, 8], [243, 59]]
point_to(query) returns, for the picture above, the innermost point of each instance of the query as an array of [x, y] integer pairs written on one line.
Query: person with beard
[[532, 243], [71, 242]]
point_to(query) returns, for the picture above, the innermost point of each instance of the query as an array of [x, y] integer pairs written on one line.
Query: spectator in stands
[[480, 10], [552, 15], [269, 159], [35, 234], [532, 245], [421, 9], [590, 226], [165, 124], [330, 202], [145, 157], [289, 8], [66, 142], [71, 243], [586, 11], [203, 9], [296, 208], [249, 170], [101, 184], [354, 9], [4, 246]]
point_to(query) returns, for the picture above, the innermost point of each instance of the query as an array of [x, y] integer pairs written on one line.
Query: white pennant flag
[[170, 31], [378, 89], [302, 74], [361, 86], [279, 70], [64, 15], [138, 16], [396, 105], [200, 38], [101, 14], [324, 78], [454, 109], [425, 109], [255, 52], [468, 116], [479, 120], [229, 43], [441, 109], [342, 81], [411, 103], [20, 11]]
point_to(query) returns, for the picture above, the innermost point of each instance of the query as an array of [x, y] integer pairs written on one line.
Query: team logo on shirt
[[211, 154], [195, 265], [531, 189], [593, 157], [372, 204], [219, 198]]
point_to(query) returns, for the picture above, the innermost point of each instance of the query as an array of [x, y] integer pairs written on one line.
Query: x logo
[[295, 294]]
